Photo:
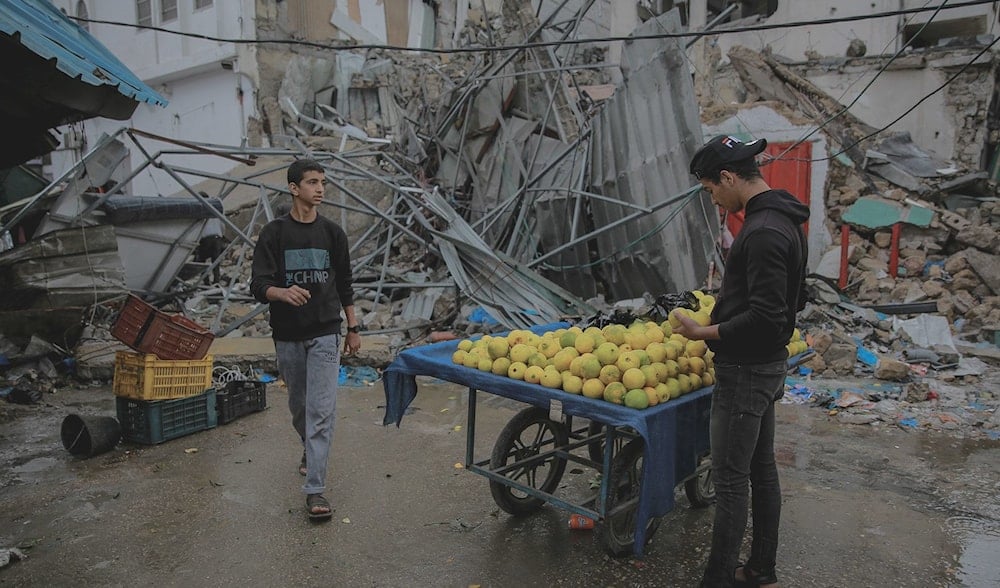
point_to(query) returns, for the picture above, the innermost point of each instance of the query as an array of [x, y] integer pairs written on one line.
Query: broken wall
[[951, 123], [879, 35]]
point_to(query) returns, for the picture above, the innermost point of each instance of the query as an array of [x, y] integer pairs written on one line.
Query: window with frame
[[81, 12], [202, 4], [144, 12], [168, 10]]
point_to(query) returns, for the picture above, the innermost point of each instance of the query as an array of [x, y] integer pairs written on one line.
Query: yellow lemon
[[633, 378], [572, 384], [593, 388]]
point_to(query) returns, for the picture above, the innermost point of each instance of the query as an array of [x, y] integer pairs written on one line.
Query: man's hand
[[692, 330], [352, 343], [294, 295]]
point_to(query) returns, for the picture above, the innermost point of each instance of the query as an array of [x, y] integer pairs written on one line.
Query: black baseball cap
[[721, 150]]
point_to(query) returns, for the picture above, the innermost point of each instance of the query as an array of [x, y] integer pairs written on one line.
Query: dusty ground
[[863, 505]]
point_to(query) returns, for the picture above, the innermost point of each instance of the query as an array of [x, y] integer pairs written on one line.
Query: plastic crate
[[155, 421], [146, 377], [148, 330], [237, 399], [132, 321]]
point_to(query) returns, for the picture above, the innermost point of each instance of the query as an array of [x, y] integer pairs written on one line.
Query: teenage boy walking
[[302, 268]]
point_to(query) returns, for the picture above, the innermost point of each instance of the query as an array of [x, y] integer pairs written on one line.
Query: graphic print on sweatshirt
[[306, 266]]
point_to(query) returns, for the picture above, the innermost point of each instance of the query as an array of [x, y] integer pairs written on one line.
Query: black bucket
[[87, 436]]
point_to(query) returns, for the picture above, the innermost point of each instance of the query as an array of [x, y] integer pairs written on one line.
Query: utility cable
[[537, 44]]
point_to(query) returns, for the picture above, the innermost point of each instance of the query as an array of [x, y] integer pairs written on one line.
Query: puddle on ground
[[979, 542]]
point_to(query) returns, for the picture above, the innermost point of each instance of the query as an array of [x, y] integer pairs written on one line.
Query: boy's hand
[[294, 295]]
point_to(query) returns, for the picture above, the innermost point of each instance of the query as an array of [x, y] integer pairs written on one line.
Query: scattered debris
[[10, 554]]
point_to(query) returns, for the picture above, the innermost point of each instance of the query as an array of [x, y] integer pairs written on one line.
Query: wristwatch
[[354, 329]]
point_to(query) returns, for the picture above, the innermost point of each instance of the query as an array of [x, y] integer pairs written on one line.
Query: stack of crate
[[164, 389]]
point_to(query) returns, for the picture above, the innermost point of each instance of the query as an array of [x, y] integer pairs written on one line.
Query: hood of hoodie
[[780, 201]]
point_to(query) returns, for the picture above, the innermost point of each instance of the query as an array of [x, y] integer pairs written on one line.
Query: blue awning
[[46, 31]]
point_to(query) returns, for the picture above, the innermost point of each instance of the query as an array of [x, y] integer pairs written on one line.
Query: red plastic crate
[[148, 330]]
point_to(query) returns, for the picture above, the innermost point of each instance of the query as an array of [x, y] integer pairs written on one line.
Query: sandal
[[303, 470], [755, 578], [317, 501]]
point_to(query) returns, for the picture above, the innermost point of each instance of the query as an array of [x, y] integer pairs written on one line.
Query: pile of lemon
[[639, 365]]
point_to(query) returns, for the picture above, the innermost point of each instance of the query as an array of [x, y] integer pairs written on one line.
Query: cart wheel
[[596, 448], [700, 490], [622, 504], [528, 434]]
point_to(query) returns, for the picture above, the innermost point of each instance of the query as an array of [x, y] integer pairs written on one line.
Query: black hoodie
[[762, 286]]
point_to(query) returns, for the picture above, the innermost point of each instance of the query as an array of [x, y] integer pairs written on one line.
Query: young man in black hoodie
[[753, 318], [302, 268]]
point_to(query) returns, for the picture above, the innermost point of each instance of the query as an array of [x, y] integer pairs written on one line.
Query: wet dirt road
[[863, 506]]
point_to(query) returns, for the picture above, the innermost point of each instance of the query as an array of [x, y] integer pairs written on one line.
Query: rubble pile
[[953, 263]]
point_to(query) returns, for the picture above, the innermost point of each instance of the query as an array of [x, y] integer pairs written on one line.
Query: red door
[[793, 172]]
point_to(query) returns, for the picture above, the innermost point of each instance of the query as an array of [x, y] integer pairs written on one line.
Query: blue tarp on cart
[[676, 433]]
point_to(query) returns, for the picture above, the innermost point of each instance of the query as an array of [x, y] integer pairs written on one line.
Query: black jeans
[[742, 433]]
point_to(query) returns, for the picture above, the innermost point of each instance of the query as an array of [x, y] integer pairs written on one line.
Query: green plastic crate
[[155, 421]]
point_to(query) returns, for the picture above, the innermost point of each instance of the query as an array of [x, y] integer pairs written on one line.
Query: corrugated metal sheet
[[642, 143], [561, 216], [516, 296], [46, 31]]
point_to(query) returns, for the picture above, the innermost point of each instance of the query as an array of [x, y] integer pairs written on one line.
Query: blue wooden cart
[[652, 451]]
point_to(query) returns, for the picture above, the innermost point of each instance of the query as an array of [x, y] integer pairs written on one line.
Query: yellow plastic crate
[[146, 377]]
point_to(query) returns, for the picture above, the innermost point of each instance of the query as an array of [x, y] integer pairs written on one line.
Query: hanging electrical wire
[[537, 44]]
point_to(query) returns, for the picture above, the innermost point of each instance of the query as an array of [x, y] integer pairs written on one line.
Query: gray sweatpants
[[310, 370]]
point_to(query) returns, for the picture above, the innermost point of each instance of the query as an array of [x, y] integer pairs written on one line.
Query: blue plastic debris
[[264, 377], [867, 357], [805, 371], [480, 315], [357, 376], [799, 394], [911, 423]]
